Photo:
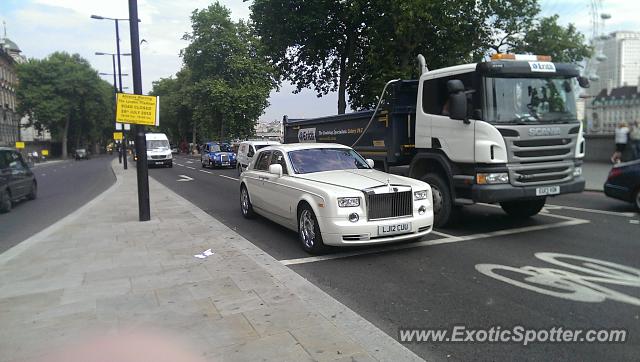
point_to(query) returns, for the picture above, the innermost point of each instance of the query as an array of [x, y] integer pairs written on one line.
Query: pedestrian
[[634, 140], [621, 138]]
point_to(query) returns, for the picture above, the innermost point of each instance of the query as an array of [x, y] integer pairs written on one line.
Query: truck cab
[[504, 131]]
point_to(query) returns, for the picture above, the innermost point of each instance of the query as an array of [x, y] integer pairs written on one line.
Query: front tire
[[239, 170], [309, 231], [523, 209], [444, 210], [34, 191], [245, 203], [5, 201], [637, 199]]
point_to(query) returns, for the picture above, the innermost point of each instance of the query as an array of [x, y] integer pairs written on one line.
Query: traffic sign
[[117, 136], [137, 109], [45, 152], [20, 145]]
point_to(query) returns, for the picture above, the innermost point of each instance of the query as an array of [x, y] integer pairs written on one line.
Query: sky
[[41, 27]]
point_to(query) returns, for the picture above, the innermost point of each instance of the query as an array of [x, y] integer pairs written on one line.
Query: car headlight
[[492, 178], [577, 171], [420, 195], [348, 201]]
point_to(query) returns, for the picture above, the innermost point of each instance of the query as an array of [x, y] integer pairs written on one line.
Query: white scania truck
[[502, 131]]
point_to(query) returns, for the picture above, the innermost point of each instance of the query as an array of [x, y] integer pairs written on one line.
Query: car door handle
[[263, 178]]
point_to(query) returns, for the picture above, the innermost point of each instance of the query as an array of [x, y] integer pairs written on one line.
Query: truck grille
[[389, 205]]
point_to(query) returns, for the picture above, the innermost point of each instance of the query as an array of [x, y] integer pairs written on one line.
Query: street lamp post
[[115, 88]]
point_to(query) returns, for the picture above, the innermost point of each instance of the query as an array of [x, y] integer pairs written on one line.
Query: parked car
[[214, 154], [158, 151], [246, 151], [81, 154], [330, 195], [16, 179], [623, 182]]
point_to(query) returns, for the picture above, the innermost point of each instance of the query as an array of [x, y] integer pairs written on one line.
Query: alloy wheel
[[307, 229]]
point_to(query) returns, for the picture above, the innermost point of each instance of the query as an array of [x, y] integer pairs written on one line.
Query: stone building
[[610, 107], [9, 119]]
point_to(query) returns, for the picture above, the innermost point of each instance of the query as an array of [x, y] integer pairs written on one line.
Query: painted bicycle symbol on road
[[582, 279]]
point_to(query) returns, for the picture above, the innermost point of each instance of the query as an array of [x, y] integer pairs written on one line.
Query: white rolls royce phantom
[[330, 195]]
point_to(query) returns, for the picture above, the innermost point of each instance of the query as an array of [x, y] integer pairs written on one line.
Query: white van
[[247, 149], [158, 150]]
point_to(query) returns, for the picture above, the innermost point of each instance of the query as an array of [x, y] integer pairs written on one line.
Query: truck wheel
[[444, 211], [524, 208]]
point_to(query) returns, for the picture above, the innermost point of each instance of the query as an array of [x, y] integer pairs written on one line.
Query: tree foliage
[[230, 79], [63, 94], [356, 46], [176, 110]]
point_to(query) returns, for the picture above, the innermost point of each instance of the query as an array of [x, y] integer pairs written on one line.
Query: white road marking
[[229, 177], [580, 283], [184, 178], [604, 212], [189, 161], [193, 168], [448, 239], [205, 171], [634, 222], [179, 164]]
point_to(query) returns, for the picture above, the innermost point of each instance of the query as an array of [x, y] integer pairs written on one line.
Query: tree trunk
[[65, 135], [221, 128]]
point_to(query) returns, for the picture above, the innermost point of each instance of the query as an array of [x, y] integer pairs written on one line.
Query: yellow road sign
[[117, 136], [20, 145], [137, 109], [45, 152]]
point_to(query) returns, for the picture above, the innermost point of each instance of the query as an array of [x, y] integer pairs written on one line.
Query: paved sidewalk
[[595, 174], [101, 271]]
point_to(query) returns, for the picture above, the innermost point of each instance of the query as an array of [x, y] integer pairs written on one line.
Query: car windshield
[[530, 100], [151, 144], [81, 150], [214, 148], [326, 159]]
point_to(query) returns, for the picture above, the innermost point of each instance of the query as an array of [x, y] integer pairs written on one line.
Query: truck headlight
[[348, 201], [577, 171], [420, 195], [492, 178], [169, 156]]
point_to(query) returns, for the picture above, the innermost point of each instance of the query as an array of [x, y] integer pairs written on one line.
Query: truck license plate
[[547, 190], [394, 229]]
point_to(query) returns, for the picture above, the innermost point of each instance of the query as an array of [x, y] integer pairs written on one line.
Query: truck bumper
[[508, 192]]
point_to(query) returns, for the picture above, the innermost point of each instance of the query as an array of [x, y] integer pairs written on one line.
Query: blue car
[[623, 182], [214, 154]]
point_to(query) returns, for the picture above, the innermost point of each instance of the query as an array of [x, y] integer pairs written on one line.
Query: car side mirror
[[370, 162], [584, 82], [276, 170]]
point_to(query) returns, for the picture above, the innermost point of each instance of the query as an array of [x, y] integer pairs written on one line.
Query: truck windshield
[[151, 144], [530, 100], [325, 159]]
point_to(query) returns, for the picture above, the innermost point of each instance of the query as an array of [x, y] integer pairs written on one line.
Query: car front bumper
[[341, 232], [618, 192]]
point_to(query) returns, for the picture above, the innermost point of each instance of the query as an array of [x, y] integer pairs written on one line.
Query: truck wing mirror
[[455, 86], [458, 107], [584, 82]]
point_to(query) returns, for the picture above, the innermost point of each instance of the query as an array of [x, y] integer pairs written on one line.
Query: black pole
[[124, 133], [144, 209], [115, 92]]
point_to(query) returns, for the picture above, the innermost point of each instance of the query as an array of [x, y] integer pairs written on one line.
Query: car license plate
[[394, 229], [225, 164], [547, 190]]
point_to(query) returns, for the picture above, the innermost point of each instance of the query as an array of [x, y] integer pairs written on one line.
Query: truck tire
[[523, 209], [444, 210]]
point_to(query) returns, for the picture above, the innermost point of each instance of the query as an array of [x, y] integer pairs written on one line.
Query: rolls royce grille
[[390, 205]]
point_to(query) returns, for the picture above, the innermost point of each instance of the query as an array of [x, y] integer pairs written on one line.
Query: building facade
[[9, 118], [620, 61], [610, 108]]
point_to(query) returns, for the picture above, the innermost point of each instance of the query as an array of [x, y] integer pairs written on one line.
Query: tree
[[563, 44], [231, 78], [176, 108], [62, 92], [312, 43]]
